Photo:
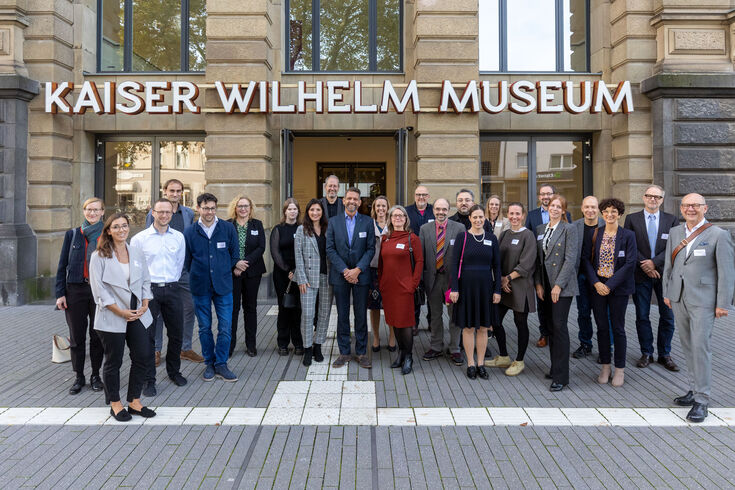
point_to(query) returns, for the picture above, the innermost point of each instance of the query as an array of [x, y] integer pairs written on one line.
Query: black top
[[417, 219], [177, 221], [254, 247], [482, 256], [586, 244], [282, 243], [465, 220], [332, 209], [321, 241]]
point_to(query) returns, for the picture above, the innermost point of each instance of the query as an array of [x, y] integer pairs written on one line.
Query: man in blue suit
[[212, 252], [350, 248]]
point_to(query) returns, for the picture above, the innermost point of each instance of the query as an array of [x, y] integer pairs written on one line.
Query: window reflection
[[300, 29], [156, 35], [389, 35], [575, 35], [184, 160], [197, 35], [128, 180], [504, 170], [489, 33], [343, 35], [113, 32], [531, 35], [561, 163]]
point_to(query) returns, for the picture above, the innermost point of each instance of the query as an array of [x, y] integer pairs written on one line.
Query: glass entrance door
[[369, 177]]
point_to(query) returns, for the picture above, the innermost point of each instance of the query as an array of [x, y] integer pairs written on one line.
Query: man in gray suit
[[437, 240], [698, 285]]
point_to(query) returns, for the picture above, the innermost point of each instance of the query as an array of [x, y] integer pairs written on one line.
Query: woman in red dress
[[399, 280]]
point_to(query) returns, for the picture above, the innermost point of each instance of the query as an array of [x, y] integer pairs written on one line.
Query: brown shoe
[[158, 358], [644, 361], [364, 361], [192, 356], [543, 341], [668, 363], [341, 361]]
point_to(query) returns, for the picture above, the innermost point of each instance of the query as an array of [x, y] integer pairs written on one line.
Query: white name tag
[[514, 241], [221, 245], [400, 246], [664, 236], [362, 234], [700, 252], [489, 243], [539, 238], [451, 242], [430, 220], [136, 263], [254, 232], [621, 253]]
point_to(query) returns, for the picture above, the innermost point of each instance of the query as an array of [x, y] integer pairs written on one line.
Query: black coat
[[534, 219], [622, 282], [417, 221], [636, 222], [254, 247]]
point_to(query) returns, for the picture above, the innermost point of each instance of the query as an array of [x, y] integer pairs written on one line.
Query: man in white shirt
[[164, 249]]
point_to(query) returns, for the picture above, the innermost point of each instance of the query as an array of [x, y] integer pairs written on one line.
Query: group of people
[[477, 263]]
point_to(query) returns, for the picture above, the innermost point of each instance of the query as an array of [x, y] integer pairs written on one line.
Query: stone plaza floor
[[285, 426]]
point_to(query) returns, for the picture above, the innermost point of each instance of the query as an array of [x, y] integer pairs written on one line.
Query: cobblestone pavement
[[283, 425]]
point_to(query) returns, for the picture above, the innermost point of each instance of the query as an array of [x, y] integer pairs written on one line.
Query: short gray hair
[[332, 176], [442, 199], [656, 186], [472, 194]]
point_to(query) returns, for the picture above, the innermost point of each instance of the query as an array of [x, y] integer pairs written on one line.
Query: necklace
[[482, 237]]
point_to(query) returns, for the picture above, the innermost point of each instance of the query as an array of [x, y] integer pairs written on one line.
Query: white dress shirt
[[164, 253], [208, 229], [688, 233]]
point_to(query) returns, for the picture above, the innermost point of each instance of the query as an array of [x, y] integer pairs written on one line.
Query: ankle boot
[[399, 359], [317, 352], [618, 377], [407, 364], [307, 356], [604, 376]]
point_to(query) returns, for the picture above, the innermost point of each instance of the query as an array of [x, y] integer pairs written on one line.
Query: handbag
[[60, 349], [291, 299], [419, 295], [459, 272]]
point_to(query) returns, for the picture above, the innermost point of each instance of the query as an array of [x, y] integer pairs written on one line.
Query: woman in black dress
[[475, 288]]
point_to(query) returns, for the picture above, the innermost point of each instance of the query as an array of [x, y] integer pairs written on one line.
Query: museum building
[[268, 97]]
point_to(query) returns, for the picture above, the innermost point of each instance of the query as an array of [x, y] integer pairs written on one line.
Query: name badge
[[221, 245], [136, 263], [400, 246], [664, 236], [700, 252], [489, 243], [621, 253], [362, 234], [254, 232], [514, 241], [539, 238], [430, 220], [451, 242]]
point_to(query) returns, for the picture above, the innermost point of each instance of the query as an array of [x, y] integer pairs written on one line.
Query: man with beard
[[332, 204]]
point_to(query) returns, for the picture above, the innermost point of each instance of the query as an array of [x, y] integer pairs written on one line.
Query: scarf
[[91, 234]]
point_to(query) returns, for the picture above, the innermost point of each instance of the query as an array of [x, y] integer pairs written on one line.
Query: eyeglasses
[[209, 209], [93, 210], [546, 194], [421, 195], [652, 196], [119, 227], [691, 206], [398, 215], [243, 206]]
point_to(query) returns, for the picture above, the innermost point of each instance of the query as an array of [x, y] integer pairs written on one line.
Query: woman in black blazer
[[251, 239], [610, 271]]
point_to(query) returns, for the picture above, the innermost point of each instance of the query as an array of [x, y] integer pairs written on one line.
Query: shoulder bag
[[686, 241], [419, 295]]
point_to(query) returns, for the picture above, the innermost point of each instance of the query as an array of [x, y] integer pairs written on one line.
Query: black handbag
[[419, 295], [291, 299]]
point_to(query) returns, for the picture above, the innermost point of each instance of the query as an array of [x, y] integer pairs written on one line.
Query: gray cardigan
[[562, 260], [518, 253]]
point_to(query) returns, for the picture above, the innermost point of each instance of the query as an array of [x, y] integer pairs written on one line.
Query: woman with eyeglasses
[[245, 284], [379, 214], [74, 296], [121, 286], [399, 275]]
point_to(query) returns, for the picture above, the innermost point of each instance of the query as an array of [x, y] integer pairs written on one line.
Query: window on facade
[[520, 164], [533, 35], [344, 35], [151, 36], [134, 174]]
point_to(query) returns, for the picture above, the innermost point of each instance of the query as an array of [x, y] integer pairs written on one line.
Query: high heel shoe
[[604, 376], [407, 364], [392, 348], [400, 358], [376, 348]]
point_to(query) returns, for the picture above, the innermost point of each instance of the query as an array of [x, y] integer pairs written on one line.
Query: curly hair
[[612, 202]]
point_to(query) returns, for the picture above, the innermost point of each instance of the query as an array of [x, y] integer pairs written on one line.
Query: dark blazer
[[417, 221], [622, 282], [71, 261], [186, 213], [254, 247], [534, 219], [636, 222], [218, 254], [340, 206], [344, 255]]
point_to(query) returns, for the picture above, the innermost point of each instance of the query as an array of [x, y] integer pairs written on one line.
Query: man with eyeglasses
[[212, 253], [331, 203], [652, 227], [698, 284], [181, 219], [420, 213], [164, 249]]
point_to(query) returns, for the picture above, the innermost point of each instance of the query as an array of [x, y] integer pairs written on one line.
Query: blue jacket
[[71, 262], [534, 219], [343, 255], [186, 213], [622, 283], [210, 260], [417, 221]]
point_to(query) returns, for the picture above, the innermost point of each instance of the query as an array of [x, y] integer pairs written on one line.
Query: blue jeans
[[584, 312], [359, 306], [642, 300], [214, 355]]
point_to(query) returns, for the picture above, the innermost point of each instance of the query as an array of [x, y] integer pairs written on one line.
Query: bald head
[[421, 197], [441, 210], [590, 210], [693, 207]]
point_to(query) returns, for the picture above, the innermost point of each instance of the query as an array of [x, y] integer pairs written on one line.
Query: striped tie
[[440, 249]]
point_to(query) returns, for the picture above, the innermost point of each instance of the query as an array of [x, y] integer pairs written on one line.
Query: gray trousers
[[436, 303], [694, 324], [188, 305], [309, 308]]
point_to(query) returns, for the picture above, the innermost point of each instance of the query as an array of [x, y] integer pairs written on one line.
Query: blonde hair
[[93, 200], [373, 213], [500, 207], [232, 208]]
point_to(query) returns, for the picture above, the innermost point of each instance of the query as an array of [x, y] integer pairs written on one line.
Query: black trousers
[[288, 324], [114, 345], [245, 293], [167, 303], [556, 315], [80, 318], [521, 321], [615, 320]]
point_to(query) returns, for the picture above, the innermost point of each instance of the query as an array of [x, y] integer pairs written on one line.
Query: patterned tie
[[440, 249], [652, 231]]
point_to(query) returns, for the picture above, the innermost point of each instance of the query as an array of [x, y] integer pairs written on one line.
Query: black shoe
[[698, 413], [306, 361], [599, 360], [317, 352], [556, 387], [472, 372], [178, 379], [121, 416], [144, 412], [298, 351], [399, 360], [431, 354], [77, 386], [96, 383], [252, 352], [392, 348], [283, 351], [686, 400], [547, 375], [645, 361], [150, 389], [407, 364], [376, 348], [482, 372], [582, 351]]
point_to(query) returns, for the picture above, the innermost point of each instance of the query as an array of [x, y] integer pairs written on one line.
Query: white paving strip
[[332, 402]]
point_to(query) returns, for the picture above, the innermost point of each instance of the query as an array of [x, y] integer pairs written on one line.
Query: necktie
[[440, 249], [547, 237], [652, 231]]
